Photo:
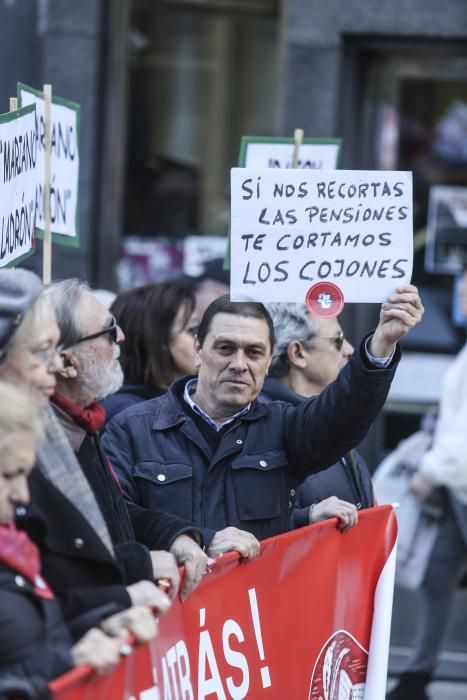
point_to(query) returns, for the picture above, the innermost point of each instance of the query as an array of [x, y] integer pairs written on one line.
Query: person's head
[[20, 428], [310, 351], [233, 349], [28, 334], [212, 284], [90, 340], [159, 325]]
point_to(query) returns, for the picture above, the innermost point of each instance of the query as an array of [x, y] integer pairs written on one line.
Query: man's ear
[[69, 368], [295, 354], [197, 357]]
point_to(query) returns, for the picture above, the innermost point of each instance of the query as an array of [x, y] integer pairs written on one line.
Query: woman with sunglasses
[[159, 324], [310, 352]]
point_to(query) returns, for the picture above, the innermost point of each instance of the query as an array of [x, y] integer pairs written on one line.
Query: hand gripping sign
[[293, 229]]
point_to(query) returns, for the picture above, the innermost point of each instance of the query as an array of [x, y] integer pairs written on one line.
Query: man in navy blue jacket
[[211, 453]]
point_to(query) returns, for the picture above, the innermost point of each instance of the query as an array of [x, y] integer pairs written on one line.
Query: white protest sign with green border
[[18, 182], [65, 117], [293, 228], [277, 152]]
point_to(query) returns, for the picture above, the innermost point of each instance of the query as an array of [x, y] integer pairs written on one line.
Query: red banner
[[308, 618]]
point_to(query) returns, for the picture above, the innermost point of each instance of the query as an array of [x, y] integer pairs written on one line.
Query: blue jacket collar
[[171, 409]]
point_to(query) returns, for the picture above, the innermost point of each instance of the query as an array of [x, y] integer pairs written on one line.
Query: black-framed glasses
[[337, 340], [111, 330]]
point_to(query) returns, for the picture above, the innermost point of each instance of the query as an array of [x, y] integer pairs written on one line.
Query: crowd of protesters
[[96, 518]]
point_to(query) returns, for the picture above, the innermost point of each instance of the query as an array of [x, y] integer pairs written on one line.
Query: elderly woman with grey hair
[[310, 352]]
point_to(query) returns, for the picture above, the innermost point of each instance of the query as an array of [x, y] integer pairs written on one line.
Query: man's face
[[233, 361], [329, 354], [99, 371]]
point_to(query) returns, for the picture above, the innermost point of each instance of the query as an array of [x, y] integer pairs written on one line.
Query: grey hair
[[292, 322], [65, 297], [33, 319]]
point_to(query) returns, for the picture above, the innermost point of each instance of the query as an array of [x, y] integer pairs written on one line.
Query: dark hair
[[223, 305], [146, 315]]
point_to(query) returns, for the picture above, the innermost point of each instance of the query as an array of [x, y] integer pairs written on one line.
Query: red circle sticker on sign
[[325, 299]]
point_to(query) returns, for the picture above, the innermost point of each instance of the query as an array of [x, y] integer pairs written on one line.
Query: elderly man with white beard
[[90, 348]]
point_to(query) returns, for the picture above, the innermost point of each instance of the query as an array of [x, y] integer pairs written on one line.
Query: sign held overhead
[[294, 228]]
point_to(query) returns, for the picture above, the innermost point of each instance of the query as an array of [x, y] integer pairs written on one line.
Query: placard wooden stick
[[47, 243], [298, 140]]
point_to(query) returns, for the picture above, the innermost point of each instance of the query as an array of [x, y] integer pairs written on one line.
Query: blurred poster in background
[[446, 243], [148, 260]]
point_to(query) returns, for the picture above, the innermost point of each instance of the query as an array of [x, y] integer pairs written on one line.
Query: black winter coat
[[33, 638], [249, 479], [78, 566]]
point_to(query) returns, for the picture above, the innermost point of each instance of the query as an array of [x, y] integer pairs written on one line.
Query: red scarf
[[19, 553], [91, 418]]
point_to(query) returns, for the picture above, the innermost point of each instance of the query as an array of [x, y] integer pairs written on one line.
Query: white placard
[[291, 229], [18, 180], [317, 156], [65, 162]]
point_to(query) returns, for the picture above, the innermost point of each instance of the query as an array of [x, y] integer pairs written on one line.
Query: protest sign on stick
[[286, 152], [278, 152], [294, 228], [64, 178], [18, 180]]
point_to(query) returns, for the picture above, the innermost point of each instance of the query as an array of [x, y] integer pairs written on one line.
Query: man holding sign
[[211, 453]]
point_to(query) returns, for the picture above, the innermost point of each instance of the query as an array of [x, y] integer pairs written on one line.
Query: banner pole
[[13, 104], [298, 140], [47, 241]]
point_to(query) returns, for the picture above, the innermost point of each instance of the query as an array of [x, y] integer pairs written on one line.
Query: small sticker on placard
[[325, 299]]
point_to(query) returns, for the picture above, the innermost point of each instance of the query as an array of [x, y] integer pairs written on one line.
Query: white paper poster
[[18, 180], [65, 164], [291, 229]]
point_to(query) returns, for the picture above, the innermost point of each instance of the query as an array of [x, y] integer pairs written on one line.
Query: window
[[201, 75]]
